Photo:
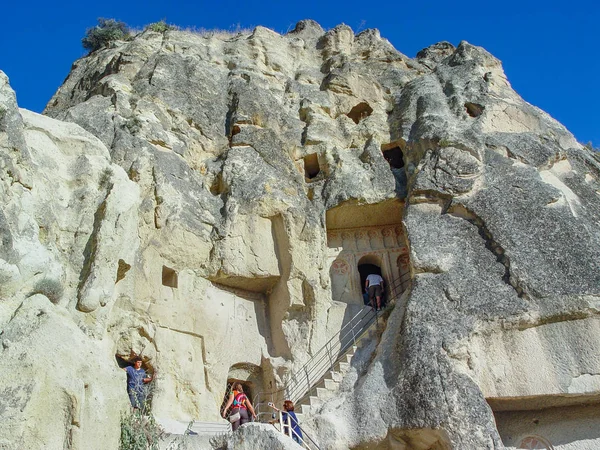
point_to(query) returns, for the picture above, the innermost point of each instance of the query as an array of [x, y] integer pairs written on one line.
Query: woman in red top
[[241, 405]]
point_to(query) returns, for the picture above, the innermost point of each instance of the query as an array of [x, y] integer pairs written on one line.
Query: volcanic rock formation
[[211, 201]]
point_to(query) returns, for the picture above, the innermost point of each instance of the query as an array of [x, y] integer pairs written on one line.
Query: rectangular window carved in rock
[[169, 277], [311, 166]]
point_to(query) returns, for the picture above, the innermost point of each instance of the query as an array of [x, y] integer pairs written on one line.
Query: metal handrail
[[350, 324], [302, 381], [303, 439], [335, 346]]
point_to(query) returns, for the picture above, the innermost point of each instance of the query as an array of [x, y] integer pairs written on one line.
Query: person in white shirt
[[375, 284]]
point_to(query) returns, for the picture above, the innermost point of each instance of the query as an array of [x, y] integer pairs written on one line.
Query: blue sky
[[550, 50]]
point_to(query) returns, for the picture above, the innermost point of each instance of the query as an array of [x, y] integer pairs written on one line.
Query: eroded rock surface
[[196, 199]]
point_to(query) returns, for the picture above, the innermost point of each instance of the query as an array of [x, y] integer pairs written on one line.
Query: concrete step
[[315, 401], [335, 376], [201, 428], [309, 405], [210, 427], [306, 410], [326, 387], [322, 392], [328, 383], [341, 366]]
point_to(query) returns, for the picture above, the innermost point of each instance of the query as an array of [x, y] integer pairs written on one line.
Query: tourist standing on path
[[375, 285], [288, 414], [241, 404], [136, 378]]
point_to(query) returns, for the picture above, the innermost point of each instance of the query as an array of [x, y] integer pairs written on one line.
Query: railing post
[[307, 379], [330, 357], [281, 423]]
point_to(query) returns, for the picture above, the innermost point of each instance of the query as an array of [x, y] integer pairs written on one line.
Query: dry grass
[[218, 33]]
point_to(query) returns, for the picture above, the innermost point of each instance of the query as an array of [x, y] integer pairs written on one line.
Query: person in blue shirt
[[288, 414], [136, 378]]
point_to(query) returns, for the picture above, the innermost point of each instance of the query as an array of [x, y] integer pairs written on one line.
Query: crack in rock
[[491, 244]]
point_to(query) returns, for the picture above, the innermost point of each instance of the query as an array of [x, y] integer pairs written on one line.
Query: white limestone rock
[[181, 201], [58, 385]]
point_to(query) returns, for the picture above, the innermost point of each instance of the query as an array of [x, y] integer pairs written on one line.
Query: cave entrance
[[365, 269], [311, 166], [393, 154], [394, 157], [369, 235], [231, 382], [367, 265], [249, 375], [360, 112]]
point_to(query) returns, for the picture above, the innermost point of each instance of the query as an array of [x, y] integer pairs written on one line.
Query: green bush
[[139, 432], [446, 143], [107, 31], [160, 27]]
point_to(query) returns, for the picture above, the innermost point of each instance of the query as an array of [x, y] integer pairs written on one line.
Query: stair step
[[315, 401], [342, 366], [306, 410], [322, 392], [335, 376], [331, 384], [325, 380], [328, 383]]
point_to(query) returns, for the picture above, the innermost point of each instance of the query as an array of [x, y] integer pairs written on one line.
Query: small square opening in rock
[[169, 277], [394, 157], [311, 166]]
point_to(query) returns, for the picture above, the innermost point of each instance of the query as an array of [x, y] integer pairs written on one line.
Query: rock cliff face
[[207, 201]]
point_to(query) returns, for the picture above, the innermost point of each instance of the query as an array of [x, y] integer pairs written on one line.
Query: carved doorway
[[247, 390], [367, 265]]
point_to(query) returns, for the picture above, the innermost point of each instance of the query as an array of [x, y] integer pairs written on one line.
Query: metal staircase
[[309, 386]]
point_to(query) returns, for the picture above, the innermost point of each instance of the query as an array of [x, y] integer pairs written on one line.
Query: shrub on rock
[[160, 27], [107, 31]]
